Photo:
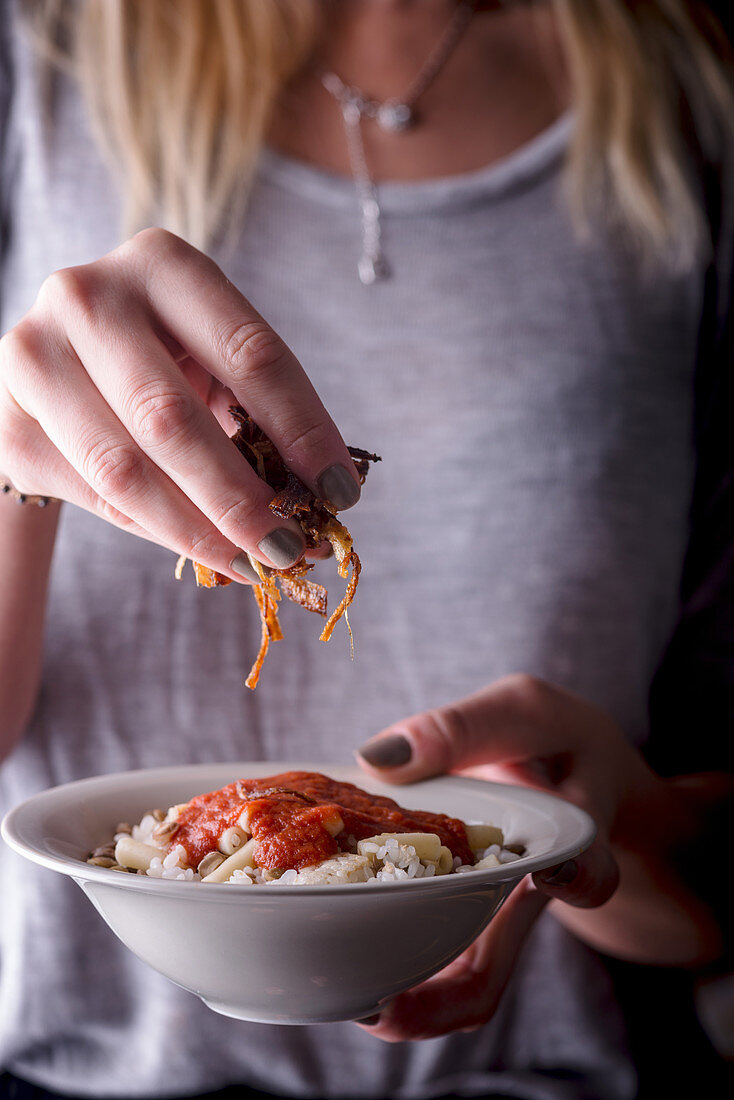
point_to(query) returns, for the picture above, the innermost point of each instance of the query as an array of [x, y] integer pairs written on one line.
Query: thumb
[[421, 746], [501, 724]]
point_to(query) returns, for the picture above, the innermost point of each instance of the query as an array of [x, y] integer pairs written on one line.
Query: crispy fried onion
[[316, 518], [268, 792], [341, 543]]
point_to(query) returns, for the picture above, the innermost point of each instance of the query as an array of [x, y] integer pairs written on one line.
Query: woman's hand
[[114, 390], [518, 730]]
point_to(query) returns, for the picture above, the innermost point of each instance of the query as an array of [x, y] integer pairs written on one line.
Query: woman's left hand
[[517, 730]]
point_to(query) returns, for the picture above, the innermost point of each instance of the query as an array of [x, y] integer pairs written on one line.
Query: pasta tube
[[445, 861], [243, 857], [133, 853], [482, 836], [427, 845]]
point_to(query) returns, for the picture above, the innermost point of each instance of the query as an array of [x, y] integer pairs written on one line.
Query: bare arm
[[27, 536]]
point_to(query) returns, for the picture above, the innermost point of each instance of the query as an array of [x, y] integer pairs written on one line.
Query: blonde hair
[[181, 93], [640, 70]]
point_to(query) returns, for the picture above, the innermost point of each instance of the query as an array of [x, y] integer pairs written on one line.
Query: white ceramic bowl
[[291, 954]]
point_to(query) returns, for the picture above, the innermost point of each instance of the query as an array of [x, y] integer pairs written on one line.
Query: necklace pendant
[[352, 112], [371, 269], [394, 117]]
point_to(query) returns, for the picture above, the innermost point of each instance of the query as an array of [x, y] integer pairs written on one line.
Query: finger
[[169, 422], [508, 722], [69, 488], [321, 552], [586, 882], [41, 470], [103, 454], [219, 328], [465, 995]]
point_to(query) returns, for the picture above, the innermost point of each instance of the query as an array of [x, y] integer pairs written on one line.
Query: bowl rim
[[577, 830]]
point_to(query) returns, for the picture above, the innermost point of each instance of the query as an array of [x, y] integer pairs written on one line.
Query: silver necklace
[[394, 116]]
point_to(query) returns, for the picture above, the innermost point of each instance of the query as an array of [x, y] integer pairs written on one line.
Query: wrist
[[664, 813], [27, 538], [649, 813], [8, 490]]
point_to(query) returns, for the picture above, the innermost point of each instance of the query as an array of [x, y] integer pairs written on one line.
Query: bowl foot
[[260, 1016]]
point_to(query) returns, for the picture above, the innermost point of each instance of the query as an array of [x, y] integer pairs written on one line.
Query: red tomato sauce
[[291, 831]]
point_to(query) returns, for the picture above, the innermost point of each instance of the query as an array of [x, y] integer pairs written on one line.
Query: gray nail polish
[[387, 752], [562, 875], [241, 564], [282, 546], [338, 486]]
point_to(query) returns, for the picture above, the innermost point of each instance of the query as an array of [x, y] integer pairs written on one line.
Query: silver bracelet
[[26, 498]]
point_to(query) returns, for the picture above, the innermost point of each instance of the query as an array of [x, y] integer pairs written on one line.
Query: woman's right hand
[[114, 391]]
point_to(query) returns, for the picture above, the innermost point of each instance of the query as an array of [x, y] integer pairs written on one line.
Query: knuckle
[[19, 348], [160, 418], [23, 355], [238, 516], [451, 731], [154, 241], [155, 256], [250, 349], [113, 469], [203, 546], [71, 288], [529, 690], [312, 435], [154, 246]]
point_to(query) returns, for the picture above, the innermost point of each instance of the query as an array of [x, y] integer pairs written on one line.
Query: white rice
[[389, 863], [173, 866], [144, 831]]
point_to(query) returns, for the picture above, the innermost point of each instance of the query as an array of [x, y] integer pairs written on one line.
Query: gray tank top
[[531, 399]]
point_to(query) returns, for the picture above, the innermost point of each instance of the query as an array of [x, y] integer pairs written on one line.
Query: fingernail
[[338, 486], [369, 1021], [282, 546], [387, 752], [241, 565], [562, 875]]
